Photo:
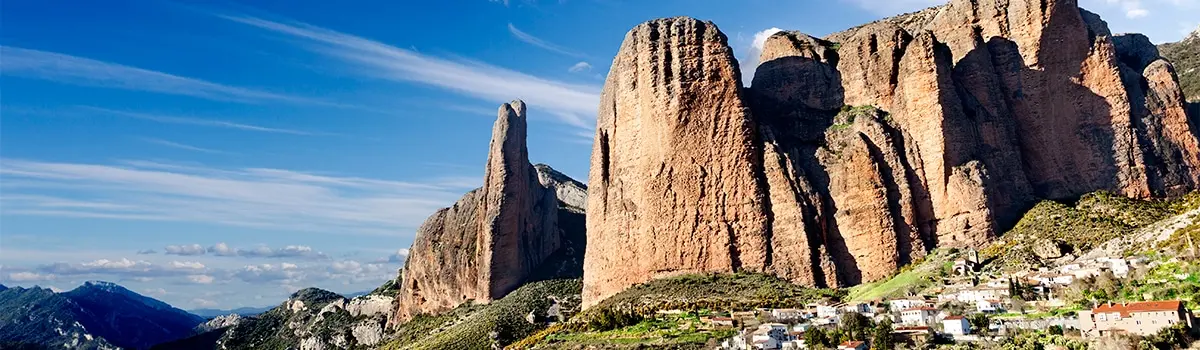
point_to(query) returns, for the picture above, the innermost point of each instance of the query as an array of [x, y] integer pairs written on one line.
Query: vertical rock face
[[870, 147], [519, 228], [674, 185], [494, 238]]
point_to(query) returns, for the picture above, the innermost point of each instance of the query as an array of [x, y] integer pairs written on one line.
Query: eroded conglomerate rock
[[495, 237], [868, 148], [674, 185]]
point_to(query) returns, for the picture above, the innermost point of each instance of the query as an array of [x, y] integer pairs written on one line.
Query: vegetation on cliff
[[1185, 56], [502, 322], [631, 318], [1076, 228]]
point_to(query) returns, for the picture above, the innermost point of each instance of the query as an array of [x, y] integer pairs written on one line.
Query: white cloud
[[155, 292], [750, 59], [282, 273], [760, 38], [535, 41], [146, 252], [123, 268], [291, 251], [251, 197], [580, 67], [574, 104], [187, 265], [397, 258], [185, 250], [57, 67], [1136, 12], [26, 276], [200, 279]]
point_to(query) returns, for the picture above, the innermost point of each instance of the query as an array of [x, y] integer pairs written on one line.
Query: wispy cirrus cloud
[[573, 104], [535, 41], [213, 123], [73, 70], [248, 197], [181, 146]]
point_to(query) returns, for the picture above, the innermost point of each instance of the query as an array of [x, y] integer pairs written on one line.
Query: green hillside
[[499, 323]]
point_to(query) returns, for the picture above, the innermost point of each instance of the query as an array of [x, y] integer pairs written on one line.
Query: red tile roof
[[1145, 306], [851, 344]]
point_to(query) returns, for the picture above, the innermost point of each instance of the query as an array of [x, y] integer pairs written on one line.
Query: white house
[[1062, 279], [797, 344], [787, 314], [988, 306], [861, 308], [1118, 266], [905, 304], [827, 311], [956, 325], [769, 336], [921, 316]]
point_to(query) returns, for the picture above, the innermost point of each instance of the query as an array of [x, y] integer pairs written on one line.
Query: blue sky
[[226, 154]]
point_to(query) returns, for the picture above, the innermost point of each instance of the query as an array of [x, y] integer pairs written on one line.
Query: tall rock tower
[[492, 239]]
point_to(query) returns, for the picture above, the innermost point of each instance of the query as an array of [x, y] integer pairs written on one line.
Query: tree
[[981, 322], [1056, 330], [855, 325], [1018, 304], [815, 338], [881, 337], [954, 308]]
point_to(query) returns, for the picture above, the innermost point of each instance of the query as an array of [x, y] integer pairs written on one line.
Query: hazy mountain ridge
[[96, 315], [242, 311]]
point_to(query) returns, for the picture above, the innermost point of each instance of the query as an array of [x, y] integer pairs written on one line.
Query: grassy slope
[[684, 331], [722, 292], [471, 327], [916, 276]]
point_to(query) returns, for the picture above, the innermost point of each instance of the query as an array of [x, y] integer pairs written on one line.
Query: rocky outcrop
[[861, 151], [674, 184], [1185, 56], [494, 238]]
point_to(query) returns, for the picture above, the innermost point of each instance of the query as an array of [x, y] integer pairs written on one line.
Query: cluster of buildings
[[923, 316]]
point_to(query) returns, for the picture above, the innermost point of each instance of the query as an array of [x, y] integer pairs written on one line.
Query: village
[[971, 307]]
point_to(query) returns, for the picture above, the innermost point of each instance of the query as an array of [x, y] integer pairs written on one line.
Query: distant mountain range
[[96, 315], [310, 319], [241, 311]]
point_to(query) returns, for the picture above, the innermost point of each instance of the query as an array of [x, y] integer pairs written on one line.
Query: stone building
[[1143, 318]]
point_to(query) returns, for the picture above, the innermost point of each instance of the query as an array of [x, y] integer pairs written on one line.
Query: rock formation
[[496, 237], [852, 155], [674, 184]]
